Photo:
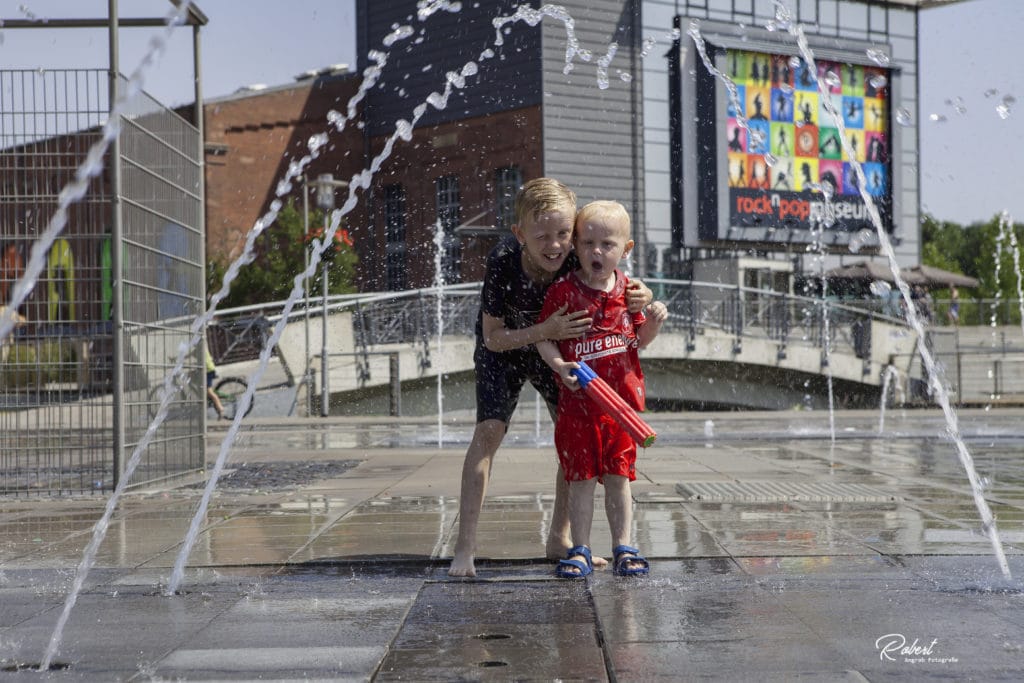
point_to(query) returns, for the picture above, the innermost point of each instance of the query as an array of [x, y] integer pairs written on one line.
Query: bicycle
[[228, 389]]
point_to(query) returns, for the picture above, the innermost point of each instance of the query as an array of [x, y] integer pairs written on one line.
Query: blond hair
[[604, 209], [541, 195]]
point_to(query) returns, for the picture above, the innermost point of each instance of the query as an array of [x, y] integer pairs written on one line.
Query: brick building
[[253, 135]]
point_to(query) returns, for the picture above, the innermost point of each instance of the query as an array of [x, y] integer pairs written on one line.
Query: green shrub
[[19, 369]]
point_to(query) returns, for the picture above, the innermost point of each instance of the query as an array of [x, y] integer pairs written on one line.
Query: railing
[[411, 317], [971, 311]]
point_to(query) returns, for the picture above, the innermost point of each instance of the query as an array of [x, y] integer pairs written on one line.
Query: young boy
[[591, 445], [519, 270]]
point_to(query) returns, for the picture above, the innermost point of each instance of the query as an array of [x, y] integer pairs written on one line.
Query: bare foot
[[556, 548], [462, 566]]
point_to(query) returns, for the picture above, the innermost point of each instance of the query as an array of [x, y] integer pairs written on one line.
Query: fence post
[[959, 369], [997, 371], [396, 385]]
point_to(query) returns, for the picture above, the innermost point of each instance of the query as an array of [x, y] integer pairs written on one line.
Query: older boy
[[591, 445], [518, 273]]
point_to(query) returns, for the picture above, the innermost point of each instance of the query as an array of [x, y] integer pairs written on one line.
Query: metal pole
[[325, 187], [325, 400], [201, 156], [307, 373], [396, 385], [116, 261]]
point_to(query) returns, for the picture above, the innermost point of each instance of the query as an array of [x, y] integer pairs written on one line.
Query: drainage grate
[[782, 491]]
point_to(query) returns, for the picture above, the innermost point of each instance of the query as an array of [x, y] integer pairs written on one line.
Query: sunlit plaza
[[834, 492]]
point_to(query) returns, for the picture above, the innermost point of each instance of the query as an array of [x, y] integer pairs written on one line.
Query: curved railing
[[412, 317]]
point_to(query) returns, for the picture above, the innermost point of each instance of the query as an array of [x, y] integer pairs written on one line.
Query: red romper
[[591, 443]]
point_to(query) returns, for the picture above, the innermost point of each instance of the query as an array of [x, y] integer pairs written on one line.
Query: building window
[[447, 192], [396, 270], [507, 182]]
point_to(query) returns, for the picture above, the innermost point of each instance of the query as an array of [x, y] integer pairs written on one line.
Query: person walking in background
[[211, 374], [954, 306]]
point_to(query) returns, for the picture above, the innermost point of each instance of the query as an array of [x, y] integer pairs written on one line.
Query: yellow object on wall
[[60, 286]]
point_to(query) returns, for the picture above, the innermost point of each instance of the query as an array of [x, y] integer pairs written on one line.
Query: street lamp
[[324, 186]]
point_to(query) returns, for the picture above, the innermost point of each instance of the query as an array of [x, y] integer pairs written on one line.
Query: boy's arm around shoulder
[[559, 325], [657, 314]]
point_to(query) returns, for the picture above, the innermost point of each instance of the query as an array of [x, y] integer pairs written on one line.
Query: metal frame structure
[[124, 280]]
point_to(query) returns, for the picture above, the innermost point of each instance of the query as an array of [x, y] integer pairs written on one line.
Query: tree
[[972, 251], [280, 251]]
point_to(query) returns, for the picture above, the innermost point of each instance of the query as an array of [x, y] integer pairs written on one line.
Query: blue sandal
[[567, 566], [625, 555]]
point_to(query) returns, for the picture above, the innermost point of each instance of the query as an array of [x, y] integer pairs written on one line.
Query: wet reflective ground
[[777, 552]]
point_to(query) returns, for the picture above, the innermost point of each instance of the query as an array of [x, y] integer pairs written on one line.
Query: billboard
[[776, 146]]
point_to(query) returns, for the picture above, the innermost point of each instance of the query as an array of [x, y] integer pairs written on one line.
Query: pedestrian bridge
[[722, 347]]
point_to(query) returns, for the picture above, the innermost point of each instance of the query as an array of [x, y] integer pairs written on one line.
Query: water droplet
[[404, 129], [336, 118], [436, 100], [1003, 111], [785, 87], [770, 160], [399, 33], [317, 141], [991, 92], [878, 81], [903, 117], [1009, 99], [794, 61], [937, 118], [832, 78], [858, 240], [879, 57], [880, 288], [456, 79], [626, 78]]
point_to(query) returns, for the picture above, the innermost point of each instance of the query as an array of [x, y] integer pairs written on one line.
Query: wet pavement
[[779, 553]]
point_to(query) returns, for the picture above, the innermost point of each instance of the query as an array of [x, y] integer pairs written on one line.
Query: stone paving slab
[[344, 578]]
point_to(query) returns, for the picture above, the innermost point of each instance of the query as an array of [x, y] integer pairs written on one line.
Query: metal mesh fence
[[57, 367]]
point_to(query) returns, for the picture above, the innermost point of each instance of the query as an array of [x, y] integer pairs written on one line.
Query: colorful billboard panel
[[792, 130]]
